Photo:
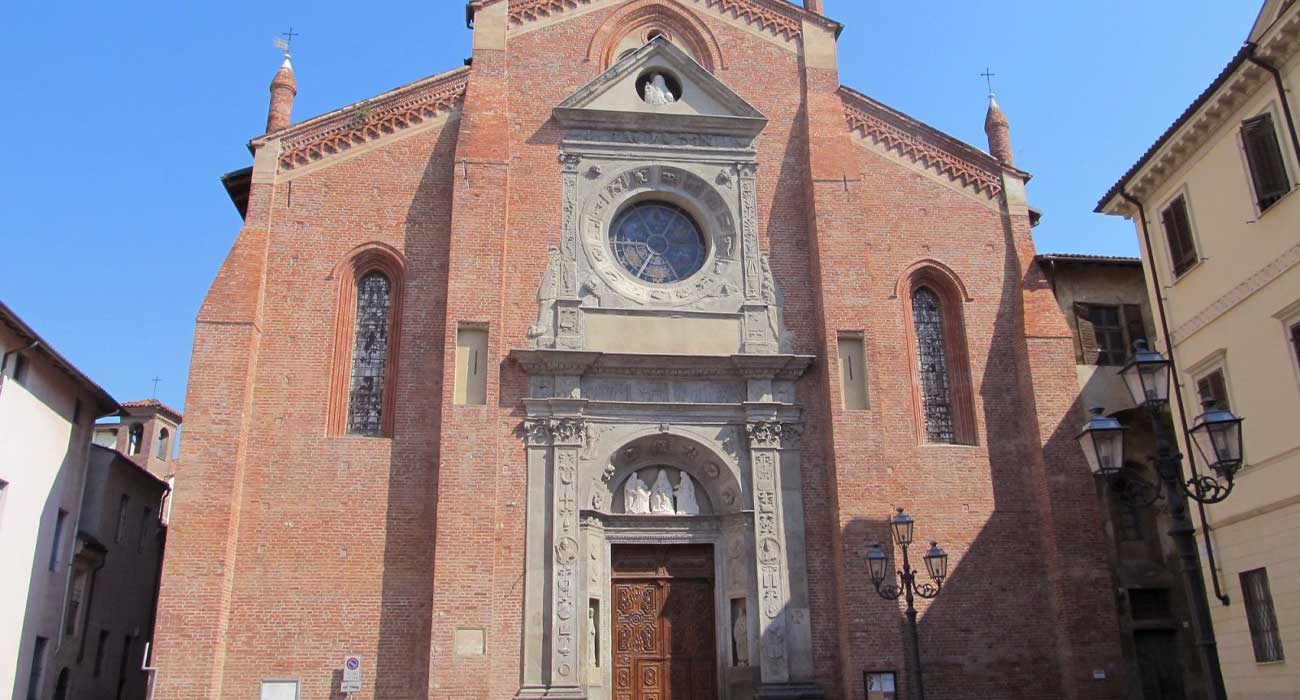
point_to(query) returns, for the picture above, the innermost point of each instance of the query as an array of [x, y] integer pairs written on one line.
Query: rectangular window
[[279, 690], [145, 516], [1178, 233], [471, 366], [100, 650], [1135, 327], [122, 504], [122, 666], [853, 372], [1149, 603], [880, 685], [20, 369], [1264, 634], [76, 596], [1214, 386], [38, 669], [1109, 329], [1264, 155], [59, 521], [1295, 348]]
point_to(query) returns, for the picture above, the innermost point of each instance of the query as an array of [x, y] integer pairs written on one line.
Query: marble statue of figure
[[740, 634], [686, 503], [592, 651], [546, 295], [661, 495], [657, 92], [636, 496]]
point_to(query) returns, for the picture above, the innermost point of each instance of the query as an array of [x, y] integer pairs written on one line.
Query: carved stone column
[[566, 648], [769, 549]]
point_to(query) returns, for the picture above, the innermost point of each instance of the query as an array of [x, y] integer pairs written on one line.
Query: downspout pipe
[[1281, 95], [4, 361], [1178, 385]]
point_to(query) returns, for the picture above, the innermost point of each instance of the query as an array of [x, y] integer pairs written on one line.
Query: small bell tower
[[283, 90]]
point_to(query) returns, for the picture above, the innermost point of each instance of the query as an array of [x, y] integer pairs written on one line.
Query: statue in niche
[[636, 496], [593, 651], [546, 295], [657, 92], [661, 495], [686, 502], [768, 288], [740, 633]]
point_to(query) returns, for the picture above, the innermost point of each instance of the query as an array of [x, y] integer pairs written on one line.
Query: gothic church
[[592, 369]]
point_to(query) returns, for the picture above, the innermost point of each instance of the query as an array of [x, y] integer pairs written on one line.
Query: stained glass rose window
[[658, 242]]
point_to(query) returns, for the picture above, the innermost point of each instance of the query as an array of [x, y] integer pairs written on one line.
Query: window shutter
[[1087, 334], [1295, 341], [1178, 232], [1264, 155], [1213, 386], [1134, 325]]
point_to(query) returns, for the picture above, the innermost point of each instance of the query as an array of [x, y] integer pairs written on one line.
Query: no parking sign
[[351, 675]]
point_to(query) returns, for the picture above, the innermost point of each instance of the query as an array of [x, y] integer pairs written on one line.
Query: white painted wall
[[43, 458]]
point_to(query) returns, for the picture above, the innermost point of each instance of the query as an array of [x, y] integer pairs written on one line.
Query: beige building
[[1220, 234], [47, 411]]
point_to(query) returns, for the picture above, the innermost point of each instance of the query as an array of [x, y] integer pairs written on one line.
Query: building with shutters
[[591, 369], [1215, 210], [1104, 299]]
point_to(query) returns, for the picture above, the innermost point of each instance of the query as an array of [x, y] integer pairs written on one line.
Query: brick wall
[[288, 548]]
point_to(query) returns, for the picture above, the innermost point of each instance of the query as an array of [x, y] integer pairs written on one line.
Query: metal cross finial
[[988, 76], [283, 44], [155, 386]]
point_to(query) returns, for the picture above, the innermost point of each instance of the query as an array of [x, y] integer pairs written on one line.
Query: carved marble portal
[[662, 407]]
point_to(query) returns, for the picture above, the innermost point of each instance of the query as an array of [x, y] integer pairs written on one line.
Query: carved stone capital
[[537, 432], [569, 161], [568, 431], [773, 434]]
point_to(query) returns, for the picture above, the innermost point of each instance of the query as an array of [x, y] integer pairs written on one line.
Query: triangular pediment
[[699, 103]]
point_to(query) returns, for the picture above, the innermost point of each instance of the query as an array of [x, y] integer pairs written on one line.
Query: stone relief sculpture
[[636, 496], [686, 502], [740, 633], [546, 295], [661, 495], [657, 92]]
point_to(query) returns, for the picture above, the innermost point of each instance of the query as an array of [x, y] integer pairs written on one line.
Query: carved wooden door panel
[[663, 625]]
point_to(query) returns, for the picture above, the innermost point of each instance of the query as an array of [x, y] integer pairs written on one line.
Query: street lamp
[[936, 565], [1217, 435]]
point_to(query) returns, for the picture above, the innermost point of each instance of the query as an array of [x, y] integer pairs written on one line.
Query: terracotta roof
[[107, 404], [1087, 258], [155, 404], [1242, 57]]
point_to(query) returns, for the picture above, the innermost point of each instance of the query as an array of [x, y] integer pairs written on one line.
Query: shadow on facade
[[401, 666]]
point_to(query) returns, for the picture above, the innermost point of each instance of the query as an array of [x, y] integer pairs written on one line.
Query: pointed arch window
[[944, 406], [366, 339], [370, 355], [932, 364], [134, 439]]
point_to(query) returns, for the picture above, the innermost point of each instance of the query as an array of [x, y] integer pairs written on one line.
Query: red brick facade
[[290, 546]]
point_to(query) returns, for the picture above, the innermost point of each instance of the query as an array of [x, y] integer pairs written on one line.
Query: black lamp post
[[936, 565], [1216, 434]]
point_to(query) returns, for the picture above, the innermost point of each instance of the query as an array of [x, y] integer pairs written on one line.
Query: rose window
[[658, 242]]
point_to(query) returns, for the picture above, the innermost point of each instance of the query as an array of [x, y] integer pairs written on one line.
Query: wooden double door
[[663, 623]]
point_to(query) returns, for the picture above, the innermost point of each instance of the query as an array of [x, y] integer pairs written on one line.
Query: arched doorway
[[61, 687]]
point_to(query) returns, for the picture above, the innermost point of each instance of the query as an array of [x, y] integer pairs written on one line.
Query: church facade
[[592, 370]]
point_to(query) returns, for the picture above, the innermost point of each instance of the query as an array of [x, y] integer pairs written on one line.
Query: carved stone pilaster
[[748, 193], [567, 436], [770, 549]]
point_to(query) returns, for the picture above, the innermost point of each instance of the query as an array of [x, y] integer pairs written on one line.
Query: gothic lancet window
[[932, 363], [366, 335], [370, 355]]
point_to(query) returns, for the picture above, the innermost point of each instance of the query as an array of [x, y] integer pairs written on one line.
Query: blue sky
[[119, 118]]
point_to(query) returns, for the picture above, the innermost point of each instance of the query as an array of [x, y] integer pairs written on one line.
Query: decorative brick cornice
[[777, 17], [392, 112], [923, 145]]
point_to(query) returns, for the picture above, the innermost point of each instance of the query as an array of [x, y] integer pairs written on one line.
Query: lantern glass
[[902, 524], [936, 563], [1147, 376], [1217, 435], [877, 562], [1102, 440]]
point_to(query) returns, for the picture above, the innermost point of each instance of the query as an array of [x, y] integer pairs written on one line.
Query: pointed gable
[[701, 104]]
